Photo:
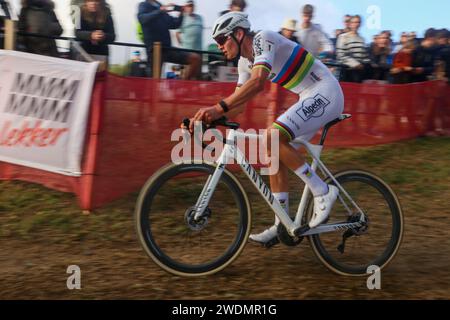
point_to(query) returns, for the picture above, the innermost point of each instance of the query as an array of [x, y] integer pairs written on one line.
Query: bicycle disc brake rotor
[[201, 223]]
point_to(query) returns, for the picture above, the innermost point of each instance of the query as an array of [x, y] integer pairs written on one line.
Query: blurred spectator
[[380, 52], [374, 41], [337, 33], [138, 67], [288, 29], [76, 13], [38, 16], [402, 65], [156, 23], [235, 5], [424, 57], [388, 35], [311, 35], [96, 29], [442, 37], [347, 20], [351, 51], [444, 52], [80, 3], [191, 31], [403, 40], [238, 5], [413, 36]]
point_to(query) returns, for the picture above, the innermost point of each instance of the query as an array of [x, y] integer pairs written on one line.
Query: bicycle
[[194, 219]]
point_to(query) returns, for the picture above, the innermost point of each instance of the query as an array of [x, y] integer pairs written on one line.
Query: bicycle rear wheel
[[375, 246], [170, 236]]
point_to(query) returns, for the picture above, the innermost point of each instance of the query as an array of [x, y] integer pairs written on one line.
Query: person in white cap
[[264, 56], [288, 29]]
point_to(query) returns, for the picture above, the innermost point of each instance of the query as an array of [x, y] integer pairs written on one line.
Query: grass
[[419, 171]]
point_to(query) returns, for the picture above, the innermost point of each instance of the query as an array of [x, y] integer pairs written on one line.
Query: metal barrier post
[[157, 51], [10, 34]]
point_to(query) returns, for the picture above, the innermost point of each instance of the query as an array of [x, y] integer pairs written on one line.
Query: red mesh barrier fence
[[130, 129]]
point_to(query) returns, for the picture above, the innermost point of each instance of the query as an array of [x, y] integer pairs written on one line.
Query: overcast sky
[[396, 15]]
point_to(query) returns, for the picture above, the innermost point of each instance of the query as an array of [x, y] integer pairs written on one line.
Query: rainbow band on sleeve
[[284, 129], [263, 65], [295, 69]]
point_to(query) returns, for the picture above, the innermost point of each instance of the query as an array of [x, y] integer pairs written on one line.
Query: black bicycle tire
[[397, 229], [166, 262]]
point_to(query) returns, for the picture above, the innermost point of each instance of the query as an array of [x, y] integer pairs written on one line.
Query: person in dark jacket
[[379, 53], [38, 16], [137, 66], [156, 23], [424, 57], [96, 28]]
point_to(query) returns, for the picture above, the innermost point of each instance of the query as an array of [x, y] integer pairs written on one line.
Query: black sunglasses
[[221, 39]]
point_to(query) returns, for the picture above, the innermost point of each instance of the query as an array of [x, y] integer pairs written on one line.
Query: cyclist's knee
[[274, 135]]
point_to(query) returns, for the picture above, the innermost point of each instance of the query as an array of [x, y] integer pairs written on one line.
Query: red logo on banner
[[29, 135]]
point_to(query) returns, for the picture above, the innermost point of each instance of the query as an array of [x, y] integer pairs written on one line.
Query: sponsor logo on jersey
[[315, 77], [258, 46], [269, 46], [313, 107]]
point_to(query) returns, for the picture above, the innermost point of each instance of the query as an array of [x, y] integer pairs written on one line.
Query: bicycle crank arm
[[326, 228]]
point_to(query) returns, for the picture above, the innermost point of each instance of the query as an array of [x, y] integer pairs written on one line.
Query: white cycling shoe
[[323, 205], [267, 238]]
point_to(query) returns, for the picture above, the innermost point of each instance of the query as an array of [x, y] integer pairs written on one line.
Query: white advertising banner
[[44, 109]]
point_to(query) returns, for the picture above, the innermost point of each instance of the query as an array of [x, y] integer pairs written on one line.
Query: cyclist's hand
[[183, 125], [206, 115]]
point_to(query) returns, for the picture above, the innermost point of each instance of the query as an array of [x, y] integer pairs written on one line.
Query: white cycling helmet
[[227, 23]]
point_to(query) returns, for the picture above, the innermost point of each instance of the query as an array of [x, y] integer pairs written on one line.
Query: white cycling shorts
[[317, 106]]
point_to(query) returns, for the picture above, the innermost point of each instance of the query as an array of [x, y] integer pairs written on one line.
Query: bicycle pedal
[[269, 244]]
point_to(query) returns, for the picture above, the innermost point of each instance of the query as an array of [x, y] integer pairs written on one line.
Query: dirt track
[[33, 263], [120, 269]]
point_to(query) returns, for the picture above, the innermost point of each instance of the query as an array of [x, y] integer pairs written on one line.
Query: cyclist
[[267, 55]]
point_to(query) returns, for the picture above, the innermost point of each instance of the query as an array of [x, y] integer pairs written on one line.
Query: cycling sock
[[283, 199], [312, 180]]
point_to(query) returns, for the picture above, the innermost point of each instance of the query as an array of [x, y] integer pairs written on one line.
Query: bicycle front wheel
[[168, 232], [375, 245]]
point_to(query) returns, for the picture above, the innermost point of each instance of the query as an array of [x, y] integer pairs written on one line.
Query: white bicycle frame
[[230, 150]]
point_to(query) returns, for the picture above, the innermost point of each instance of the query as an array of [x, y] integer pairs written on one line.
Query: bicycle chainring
[[286, 239]]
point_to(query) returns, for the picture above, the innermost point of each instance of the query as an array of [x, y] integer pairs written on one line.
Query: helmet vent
[[225, 24]]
